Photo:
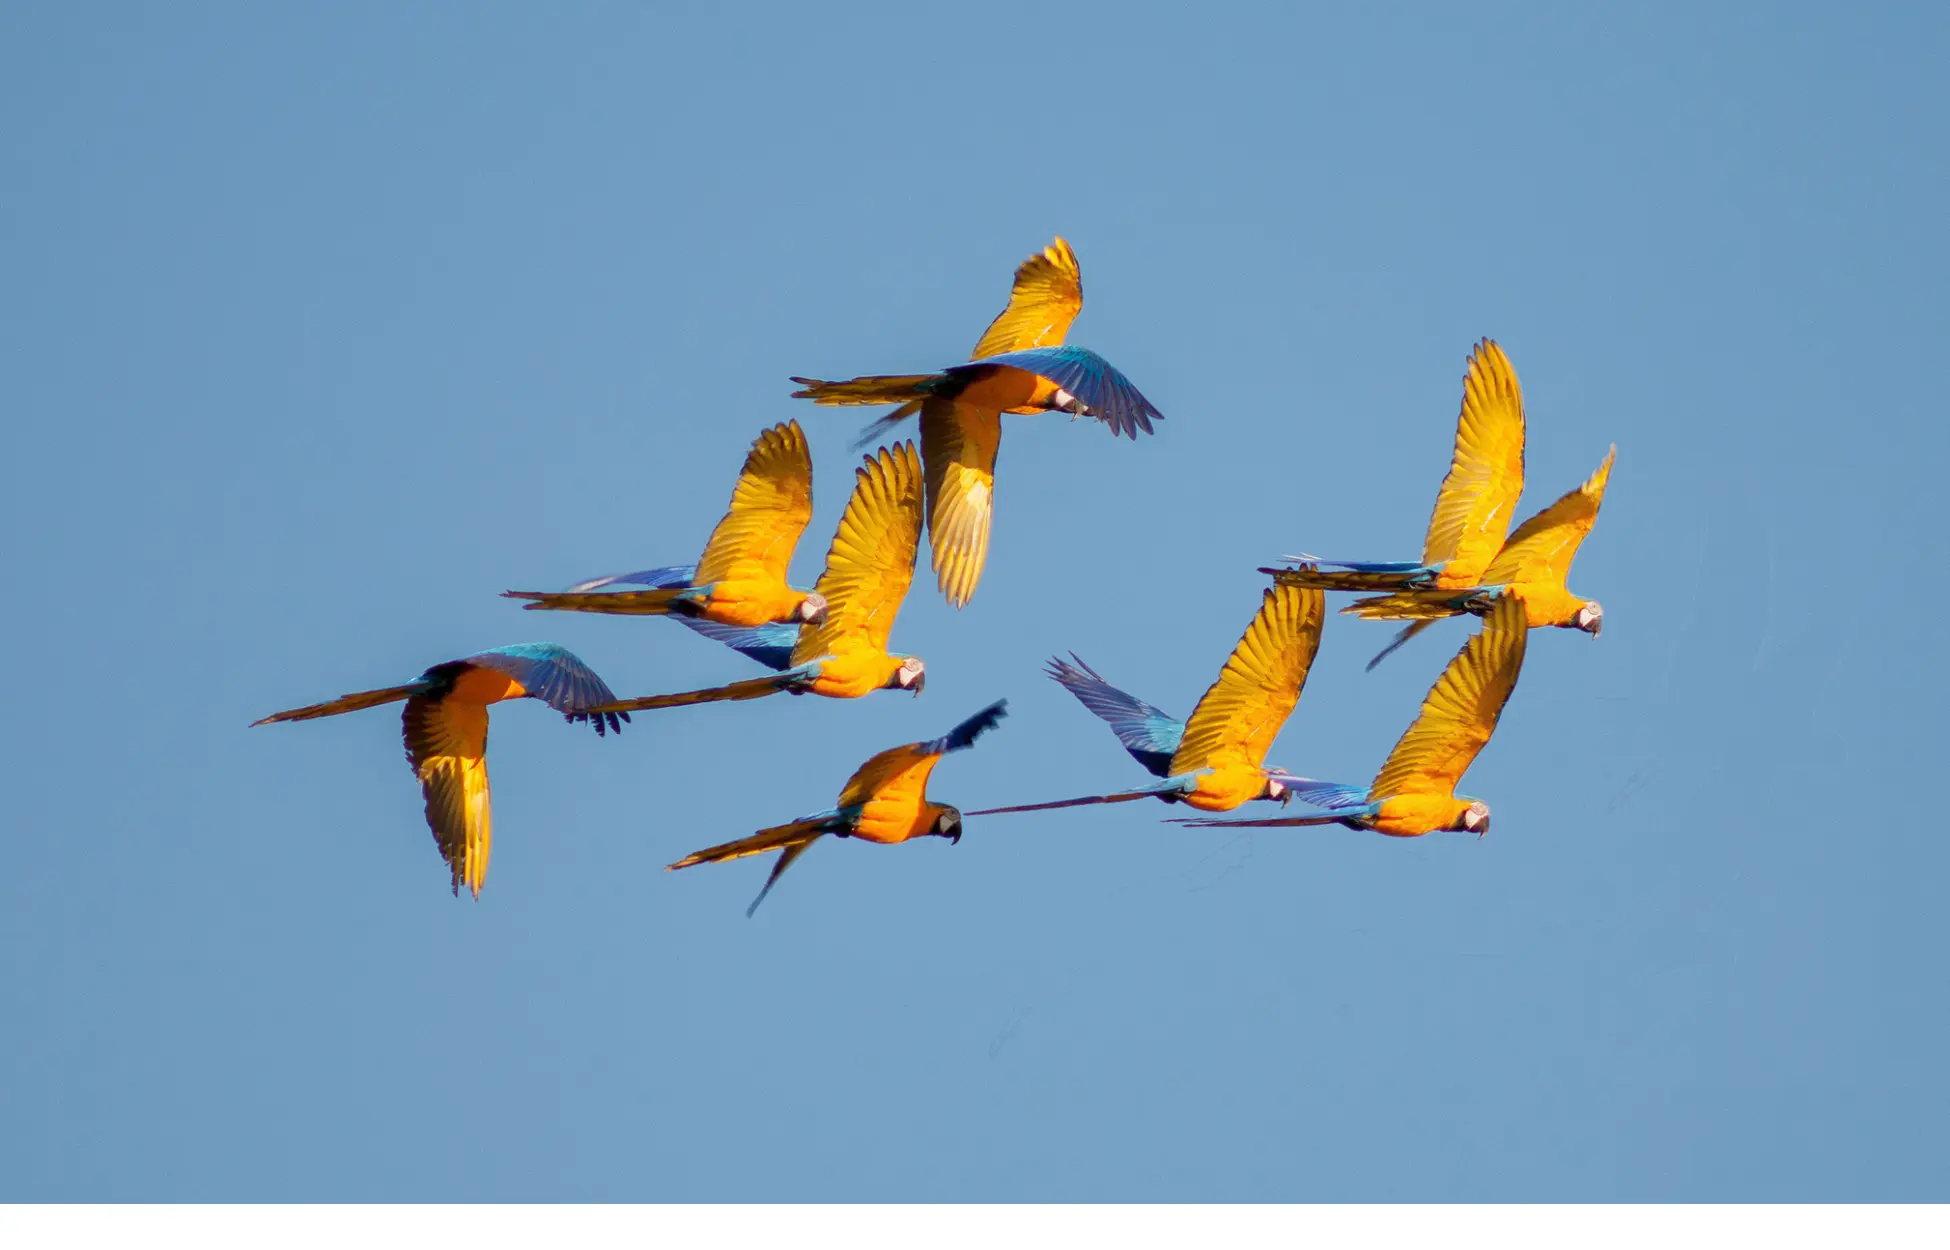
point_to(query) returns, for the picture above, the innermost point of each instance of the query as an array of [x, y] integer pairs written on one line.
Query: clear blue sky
[[323, 328]]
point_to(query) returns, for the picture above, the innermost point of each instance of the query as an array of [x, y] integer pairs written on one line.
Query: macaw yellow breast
[[854, 673], [1546, 604], [485, 686], [892, 818], [1226, 788], [1412, 815], [1009, 390], [752, 601]]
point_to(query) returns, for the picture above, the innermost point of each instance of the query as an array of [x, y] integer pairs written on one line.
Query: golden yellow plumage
[[1478, 495], [1543, 547], [959, 443], [446, 742], [871, 562], [769, 510], [1236, 721], [1045, 298], [1460, 711]]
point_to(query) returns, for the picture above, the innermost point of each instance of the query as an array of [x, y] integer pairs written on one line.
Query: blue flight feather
[[1107, 393], [963, 735], [556, 676], [1151, 736], [1330, 795], [770, 645]]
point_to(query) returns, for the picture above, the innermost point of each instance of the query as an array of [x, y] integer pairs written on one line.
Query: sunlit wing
[[555, 675], [769, 510], [1046, 297], [446, 742], [1110, 396], [902, 772], [1461, 709], [1152, 737], [958, 445], [1543, 547], [1238, 718], [1473, 508], [871, 562]]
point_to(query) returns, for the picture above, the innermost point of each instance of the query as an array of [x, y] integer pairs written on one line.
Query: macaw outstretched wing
[[1474, 506], [871, 562], [902, 772], [1543, 547], [1151, 736], [959, 443], [1460, 711], [769, 510], [1240, 715], [446, 742], [556, 676], [1044, 300], [1097, 383]]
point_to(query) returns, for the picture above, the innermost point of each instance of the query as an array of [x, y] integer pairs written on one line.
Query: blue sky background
[[322, 328]]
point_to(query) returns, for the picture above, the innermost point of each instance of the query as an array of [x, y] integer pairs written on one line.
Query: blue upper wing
[[671, 577], [770, 645], [1149, 735], [553, 674], [1327, 794], [964, 734], [1106, 392]]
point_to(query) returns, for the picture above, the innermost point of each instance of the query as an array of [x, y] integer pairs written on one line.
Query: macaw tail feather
[[906, 389], [1408, 605], [1124, 797], [790, 840], [1268, 822], [1414, 628], [613, 602], [756, 688], [1366, 579], [347, 703]]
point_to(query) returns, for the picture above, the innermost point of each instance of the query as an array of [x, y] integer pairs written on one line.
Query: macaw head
[[812, 609], [911, 675], [1276, 787], [1590, 618], [947, 824], [1474, 819]]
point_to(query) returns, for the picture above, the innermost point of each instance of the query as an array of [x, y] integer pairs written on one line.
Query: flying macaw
[[740, 579], [885, 801], [1472, 510], [1534, 561], [1214, 761], [1415, 792], [1018, 366], [868, 570], [445, 728]]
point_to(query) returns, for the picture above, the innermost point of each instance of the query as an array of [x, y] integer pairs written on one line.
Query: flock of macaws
[[832, 640]]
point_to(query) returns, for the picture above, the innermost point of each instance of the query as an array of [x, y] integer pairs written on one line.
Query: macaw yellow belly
[[1412, 815], [485, 686], [854, 674], [751, 601], [1224, 789], [1009, 390], [890, 820]]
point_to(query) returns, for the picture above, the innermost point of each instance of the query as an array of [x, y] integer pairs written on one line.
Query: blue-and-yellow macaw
[[1215, 761], [1415, 791], [1020, 366], [1534, 561], [740, 580], [1473, 508], [445, 728], [886, 801], [868, 570]]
